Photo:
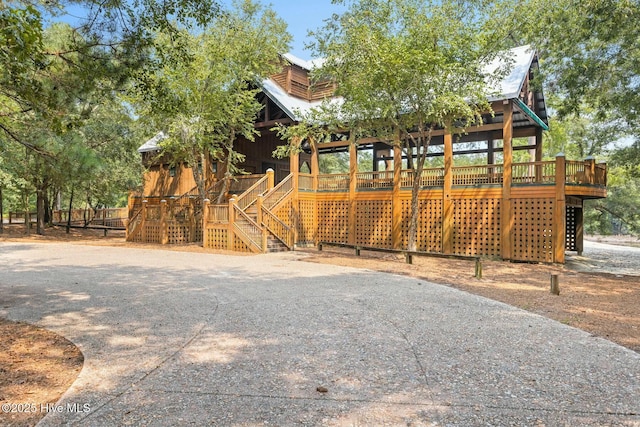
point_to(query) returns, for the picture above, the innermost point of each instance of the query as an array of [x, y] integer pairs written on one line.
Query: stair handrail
[[243, 234], [136, 224], [278, 193], [286, 236], [251, 194]]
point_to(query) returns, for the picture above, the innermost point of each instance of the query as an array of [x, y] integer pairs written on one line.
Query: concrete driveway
[[177, 338]]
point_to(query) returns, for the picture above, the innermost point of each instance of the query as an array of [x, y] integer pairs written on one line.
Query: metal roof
[[152, 144], [519, 59]]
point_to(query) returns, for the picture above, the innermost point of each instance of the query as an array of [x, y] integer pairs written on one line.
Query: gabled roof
[[152, 144], [519, 59]]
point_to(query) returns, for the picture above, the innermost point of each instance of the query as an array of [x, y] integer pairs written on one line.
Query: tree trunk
[[69, 212], [40, 211], [1, 213], [27, 214], [413, 218]]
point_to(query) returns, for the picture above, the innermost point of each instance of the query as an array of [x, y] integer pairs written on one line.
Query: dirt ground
[[37, 366]]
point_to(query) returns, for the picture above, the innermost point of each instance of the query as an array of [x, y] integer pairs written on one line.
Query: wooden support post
[[538, 154], [294, 167], [490, 153], [478, 274], [590, 169], [206, 206], [232, 219], [357, 250], [555, 284], [560, 211], [447, 201], [579, 219], [396, 203], [315, 164], [353, 170], [259, 202], [506, 220], [143, 220], [320, 246], [408, 257], [164, 226], [270, 179]]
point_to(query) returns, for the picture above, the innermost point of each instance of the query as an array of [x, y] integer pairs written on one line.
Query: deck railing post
[[205, 221], [294, 168], [270, 179], [590, 169], [164, 226], [506, 220], [447, 202], [353, 171], [259, 220], [143, 220], [232, 219], [396, 203], [560, 211]]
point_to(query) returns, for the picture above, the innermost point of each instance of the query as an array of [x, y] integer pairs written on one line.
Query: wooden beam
[[272, 123]]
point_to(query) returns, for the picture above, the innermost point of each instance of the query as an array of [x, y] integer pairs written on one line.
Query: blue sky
[[301, 16]]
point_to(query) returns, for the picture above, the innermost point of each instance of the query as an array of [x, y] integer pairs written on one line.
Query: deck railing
[[477, 174], [430, 177], [250, 195], [219, 214], [333, 182], [305, 181], [577, 172], [374, 180], [533, 173]]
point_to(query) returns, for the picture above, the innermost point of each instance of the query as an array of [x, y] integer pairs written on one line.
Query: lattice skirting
[[333, 221], [373, 223], [476, 227], [532, 233], [429, 236], [216, 238]]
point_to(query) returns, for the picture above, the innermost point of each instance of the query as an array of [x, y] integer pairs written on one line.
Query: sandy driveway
[[606, 258], [175, 338]]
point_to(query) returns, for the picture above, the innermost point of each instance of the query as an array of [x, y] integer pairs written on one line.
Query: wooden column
[[353, 170], [205, 221], [270, 178], [538, 154], [294, 167], [164, 226], [506, 220], [396, 203], [259, 220], [232, 218], [560, 211], [143, 220], [490, 153], [579, 229], [447, 202], [315, 164], [590, 169]]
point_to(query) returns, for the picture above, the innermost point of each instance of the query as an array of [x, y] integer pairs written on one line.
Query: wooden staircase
[[255, 222]]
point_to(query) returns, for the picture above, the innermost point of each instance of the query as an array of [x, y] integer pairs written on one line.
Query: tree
[[407, 67], [207, 99], [589, 53]]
